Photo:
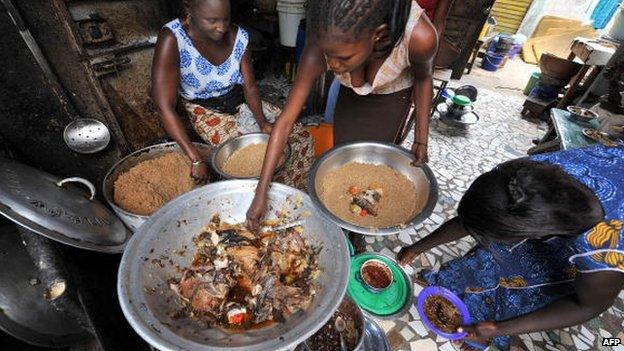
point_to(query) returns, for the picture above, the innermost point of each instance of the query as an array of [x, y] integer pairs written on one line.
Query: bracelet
[[197, 163]]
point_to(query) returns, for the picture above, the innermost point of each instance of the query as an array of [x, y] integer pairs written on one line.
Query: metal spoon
[[282, 227], [86, 135], [340, 326]]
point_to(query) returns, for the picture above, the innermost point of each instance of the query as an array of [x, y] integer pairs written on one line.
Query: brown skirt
[[375, 117]]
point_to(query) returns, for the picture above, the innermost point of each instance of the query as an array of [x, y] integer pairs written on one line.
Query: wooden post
[[573, 85]]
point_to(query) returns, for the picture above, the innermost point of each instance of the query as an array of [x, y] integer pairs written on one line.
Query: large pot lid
[[26, 314], [57, 210]]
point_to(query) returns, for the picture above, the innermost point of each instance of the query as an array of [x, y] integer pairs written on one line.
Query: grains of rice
[[397, 205], [146, 187], [246, 162]]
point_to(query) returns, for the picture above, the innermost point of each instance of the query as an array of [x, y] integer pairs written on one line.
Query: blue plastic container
[[491, 61], [300, 44], [454, 299], [332, 98]]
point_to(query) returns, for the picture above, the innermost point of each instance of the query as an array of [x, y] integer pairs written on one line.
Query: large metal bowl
[[348, 305], [142, 285], [134, 221], [225, 150], [376, 153]]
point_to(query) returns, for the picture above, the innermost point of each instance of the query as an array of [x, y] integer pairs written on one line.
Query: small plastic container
[[454, 299], [290, 13], [492, 61], [389, 304], [532, 83], [382, 268]]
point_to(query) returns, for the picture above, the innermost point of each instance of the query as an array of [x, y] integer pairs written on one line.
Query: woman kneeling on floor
[[550, 250], [204, 58]]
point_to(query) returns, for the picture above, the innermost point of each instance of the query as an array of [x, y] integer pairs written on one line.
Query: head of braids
[[187, 5], [355, 17]]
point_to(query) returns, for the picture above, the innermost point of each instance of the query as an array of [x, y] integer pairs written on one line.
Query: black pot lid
[[58, 210], [26, 313]]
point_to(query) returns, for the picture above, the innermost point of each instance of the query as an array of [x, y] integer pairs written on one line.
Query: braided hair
[[526, 199], [187, 5], [353, 17]]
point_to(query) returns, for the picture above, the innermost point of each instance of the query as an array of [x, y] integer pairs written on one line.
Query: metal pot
[[581, 114], [26, 313], [457, 111], [352, 307], [134, 221], [389, 155], [462, 120], [225, 150], [173, 227]]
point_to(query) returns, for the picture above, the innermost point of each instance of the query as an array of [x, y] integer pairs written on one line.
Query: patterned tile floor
[[457, 157]]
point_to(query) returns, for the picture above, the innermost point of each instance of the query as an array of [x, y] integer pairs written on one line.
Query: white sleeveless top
[[395, 74], [200, 79]]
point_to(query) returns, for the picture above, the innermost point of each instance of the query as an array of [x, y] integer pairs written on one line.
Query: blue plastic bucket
[[492, 61], [515, 50]]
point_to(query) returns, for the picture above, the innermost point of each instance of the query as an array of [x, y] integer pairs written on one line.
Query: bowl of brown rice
[[242, 157], [142, 182], [372, 188]]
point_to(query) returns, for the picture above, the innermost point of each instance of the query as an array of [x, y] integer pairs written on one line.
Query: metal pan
[[389, 155], [143, 289], [131, 220]]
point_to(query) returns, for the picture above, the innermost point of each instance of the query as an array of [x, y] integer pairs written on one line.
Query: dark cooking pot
[[460, 105], [30, 266]]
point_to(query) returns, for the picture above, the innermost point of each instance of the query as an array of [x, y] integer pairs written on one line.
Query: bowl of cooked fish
[[372, 188], [242, 157], [193, 277]]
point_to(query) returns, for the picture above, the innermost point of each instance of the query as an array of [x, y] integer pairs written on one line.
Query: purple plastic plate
[[454, 299]]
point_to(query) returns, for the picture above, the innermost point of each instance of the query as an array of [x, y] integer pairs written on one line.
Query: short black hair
[[353, 17], [527, 199], [187, 6]]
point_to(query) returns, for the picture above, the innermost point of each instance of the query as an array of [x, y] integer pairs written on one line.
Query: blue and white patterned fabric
[[500, 282], [601, 169], [200, 79]]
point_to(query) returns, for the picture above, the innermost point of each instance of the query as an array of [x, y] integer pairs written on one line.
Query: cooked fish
[[238, 279]]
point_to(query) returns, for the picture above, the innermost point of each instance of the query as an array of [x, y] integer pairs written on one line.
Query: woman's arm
[[252, 94], [165, 81], [450, 231], [423, 47], [594, 293], [439, 17], [312, 65]]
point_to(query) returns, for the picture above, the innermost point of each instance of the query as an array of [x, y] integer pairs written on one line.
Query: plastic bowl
[[380, 264], [454, 299], [582, 114]]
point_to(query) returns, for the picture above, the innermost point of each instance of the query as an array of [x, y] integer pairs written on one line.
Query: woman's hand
[[407, 255], [480, 333], [420, 152], [256, 210], [199, 173]]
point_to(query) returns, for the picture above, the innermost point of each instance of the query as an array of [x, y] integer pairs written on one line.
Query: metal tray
[[172, 229]]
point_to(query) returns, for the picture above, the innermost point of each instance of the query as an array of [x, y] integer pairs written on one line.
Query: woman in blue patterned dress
[[550, 250], [204, 59]]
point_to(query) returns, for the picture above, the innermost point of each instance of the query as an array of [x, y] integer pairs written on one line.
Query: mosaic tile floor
[[457, 157]]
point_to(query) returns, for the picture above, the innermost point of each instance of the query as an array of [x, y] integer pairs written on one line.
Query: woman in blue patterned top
[[550, 250], [204, 59]]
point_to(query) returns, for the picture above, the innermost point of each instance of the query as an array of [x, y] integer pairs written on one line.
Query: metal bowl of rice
[[420, 179], [242, 149]]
